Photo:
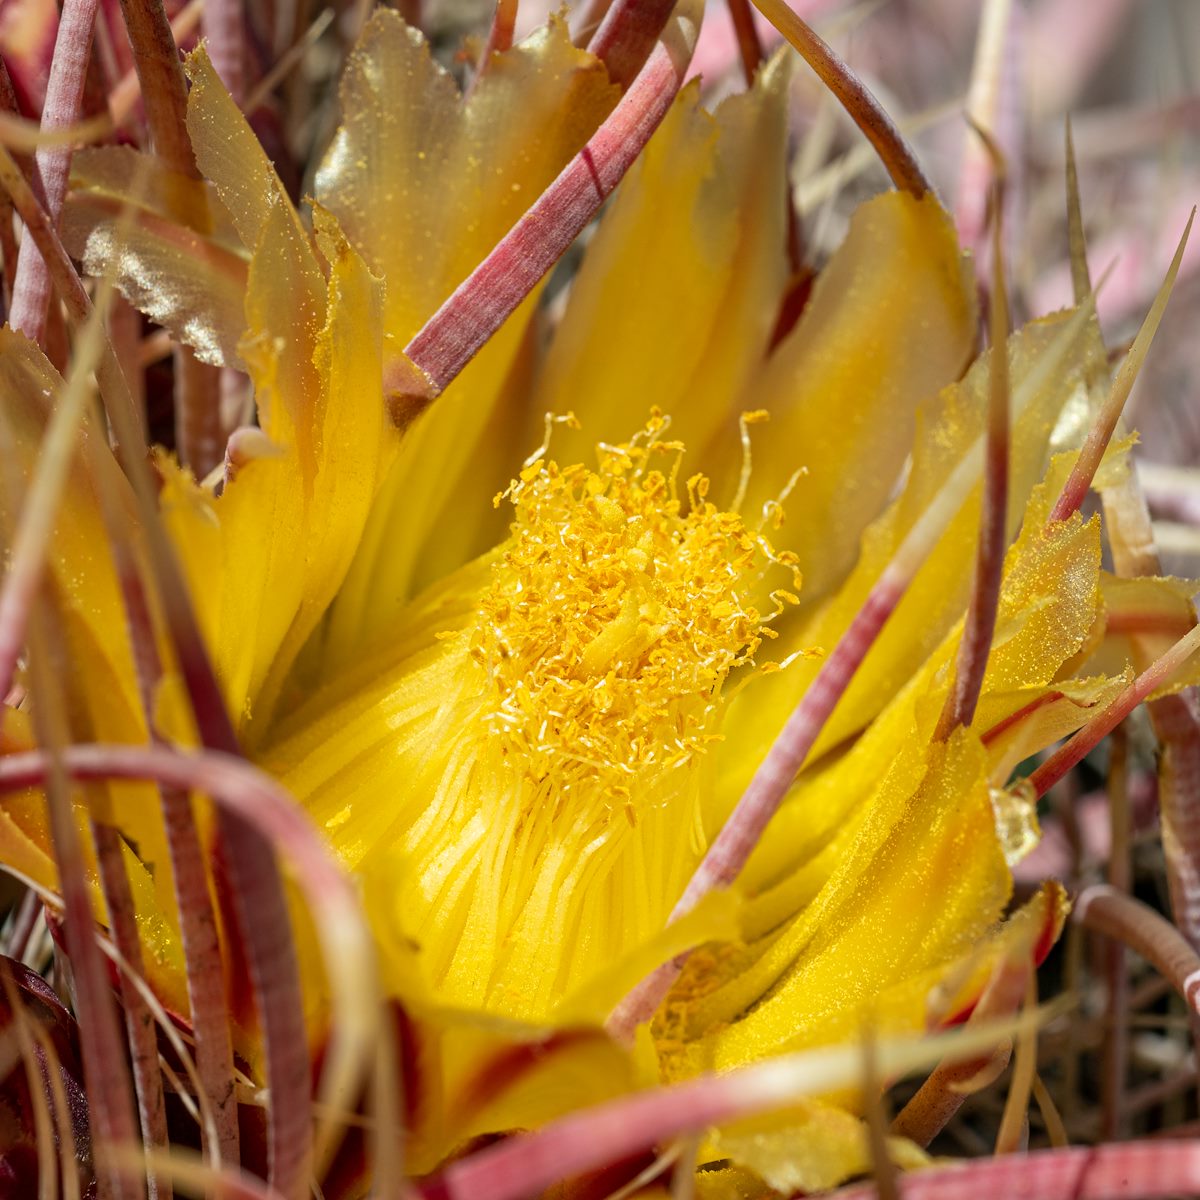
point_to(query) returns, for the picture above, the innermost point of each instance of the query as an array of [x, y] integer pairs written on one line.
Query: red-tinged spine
[[258, 894], [500, 39], [979, 627], [267, 816], [139, 1022], [64, 92], [1178, 730], [947, 1088], [235, 785], [198, 433], [778, 770], [627, 35], [8, 237], [750, 48], [1149, 1170], [193, 900], [526, 1166], [861, 106], [205, 974], [1104, 909]]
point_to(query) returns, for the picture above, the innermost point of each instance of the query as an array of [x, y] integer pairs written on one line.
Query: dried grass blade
[[194, 1176], [1013, 1123], [68, 1151], [1056, 1130], [294, 54], [22, 924], [200, 1109]]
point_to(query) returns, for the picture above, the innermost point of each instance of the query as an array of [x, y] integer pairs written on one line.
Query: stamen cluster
[[616, 615]]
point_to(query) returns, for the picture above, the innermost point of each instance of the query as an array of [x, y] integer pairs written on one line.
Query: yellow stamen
[[613, 619]]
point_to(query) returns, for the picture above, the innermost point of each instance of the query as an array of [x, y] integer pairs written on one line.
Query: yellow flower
[[520, 723]]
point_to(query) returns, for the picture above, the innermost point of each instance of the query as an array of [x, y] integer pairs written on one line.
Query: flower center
[[614, 618]]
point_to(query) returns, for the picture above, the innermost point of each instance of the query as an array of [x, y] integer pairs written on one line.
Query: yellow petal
[[938, 595], [424, 185], [524, 762], [680, 288], [817, 1145], [890, 321], [923, 881], [808, 1148], [475, 1078], [266, 558], [230, 156], [191, 281]]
